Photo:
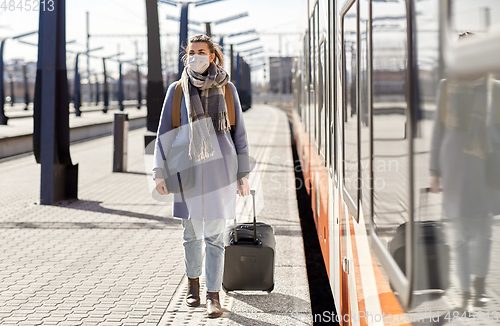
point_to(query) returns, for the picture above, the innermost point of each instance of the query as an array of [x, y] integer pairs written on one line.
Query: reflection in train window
[[350, 108], [455, 197], [390, 145]]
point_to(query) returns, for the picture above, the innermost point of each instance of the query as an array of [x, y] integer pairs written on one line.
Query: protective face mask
[[198, 62]]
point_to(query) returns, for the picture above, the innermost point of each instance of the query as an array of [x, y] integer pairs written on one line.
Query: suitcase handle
[[255, 241]]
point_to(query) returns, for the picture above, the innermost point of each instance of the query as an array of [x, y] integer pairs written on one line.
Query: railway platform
[[17, 110], [16, 137], [115, 255]]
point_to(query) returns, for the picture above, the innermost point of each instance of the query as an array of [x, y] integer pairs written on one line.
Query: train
[[396, 123]]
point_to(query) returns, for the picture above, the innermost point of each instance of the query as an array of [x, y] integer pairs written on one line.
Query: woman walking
[[221, 164], [461, 142]]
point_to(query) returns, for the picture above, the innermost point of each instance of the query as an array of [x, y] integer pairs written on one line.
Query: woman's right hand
[[161, 187], [435, 184]]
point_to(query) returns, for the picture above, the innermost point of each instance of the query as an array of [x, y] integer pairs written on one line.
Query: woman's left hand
[[244, 189]]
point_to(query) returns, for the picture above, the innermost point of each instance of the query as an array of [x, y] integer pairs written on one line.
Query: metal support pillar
[[221, 43], [237, 76], [3, 118], [231, 54], [155, 92], [105, 93], [77, 92], [139, 90], [26, 88], [59, 177], [97, 97], [88, 61], [120, 87], [12, 96], [183, 36], [120, 142], [208, 30]]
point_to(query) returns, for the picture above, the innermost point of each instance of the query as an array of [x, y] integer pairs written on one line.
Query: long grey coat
[[214, 193], [465, 191]]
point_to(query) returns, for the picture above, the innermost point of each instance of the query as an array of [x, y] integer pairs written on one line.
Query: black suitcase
[[432, 253], [249, 256]]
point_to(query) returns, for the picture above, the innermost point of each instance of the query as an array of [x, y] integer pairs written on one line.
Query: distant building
[[280, 72]]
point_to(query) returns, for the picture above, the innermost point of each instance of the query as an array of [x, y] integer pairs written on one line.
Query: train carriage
[[397, 127]]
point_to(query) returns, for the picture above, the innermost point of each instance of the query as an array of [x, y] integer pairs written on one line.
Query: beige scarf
[[208, 103]]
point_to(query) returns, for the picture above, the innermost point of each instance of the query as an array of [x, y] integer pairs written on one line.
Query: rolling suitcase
[[432, 253], [249, 256]]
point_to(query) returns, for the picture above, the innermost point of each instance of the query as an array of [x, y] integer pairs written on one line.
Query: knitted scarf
[[207, 103]]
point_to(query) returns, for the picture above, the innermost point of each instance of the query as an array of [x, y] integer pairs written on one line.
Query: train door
[[388, 208], [349, 84], [332, 71], [321, 177]]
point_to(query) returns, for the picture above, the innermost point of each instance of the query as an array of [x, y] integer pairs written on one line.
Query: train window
[[457, 132], [317, 80], [322, 102], [334, 72], [390, 115], [307, 83], [329, 59], [301, 84], [350, 107], [325, 54], [305, 79], [365, 108], [312, 85]]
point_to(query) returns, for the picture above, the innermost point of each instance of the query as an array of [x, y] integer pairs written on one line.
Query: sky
[[125, 17], [116, 18]]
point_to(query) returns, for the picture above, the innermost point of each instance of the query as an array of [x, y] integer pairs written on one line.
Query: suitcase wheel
[[270, 289]]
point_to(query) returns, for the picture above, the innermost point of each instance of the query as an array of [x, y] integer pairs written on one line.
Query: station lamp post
[[26, 90], [120, 83], [252, 50], [105, 93], [77, 75], [208, 28], [221, 21], [11, 79], [221, 42], [77, 84], [3, 118], [183, 34], [231, 48]]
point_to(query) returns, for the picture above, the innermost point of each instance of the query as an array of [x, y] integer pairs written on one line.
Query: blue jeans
[[473, 238], [213, 233]]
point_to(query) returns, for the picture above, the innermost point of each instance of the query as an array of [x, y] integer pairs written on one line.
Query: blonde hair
[[214, 48]]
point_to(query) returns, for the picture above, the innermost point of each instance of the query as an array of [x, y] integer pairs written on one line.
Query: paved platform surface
[[115, 256]]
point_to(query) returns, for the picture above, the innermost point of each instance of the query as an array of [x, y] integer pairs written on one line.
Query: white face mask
[[198, 62]]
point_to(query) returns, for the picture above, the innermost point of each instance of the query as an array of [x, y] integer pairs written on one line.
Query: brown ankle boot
[[193, 292], [465, 302], [214, 309], [480, 299]]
